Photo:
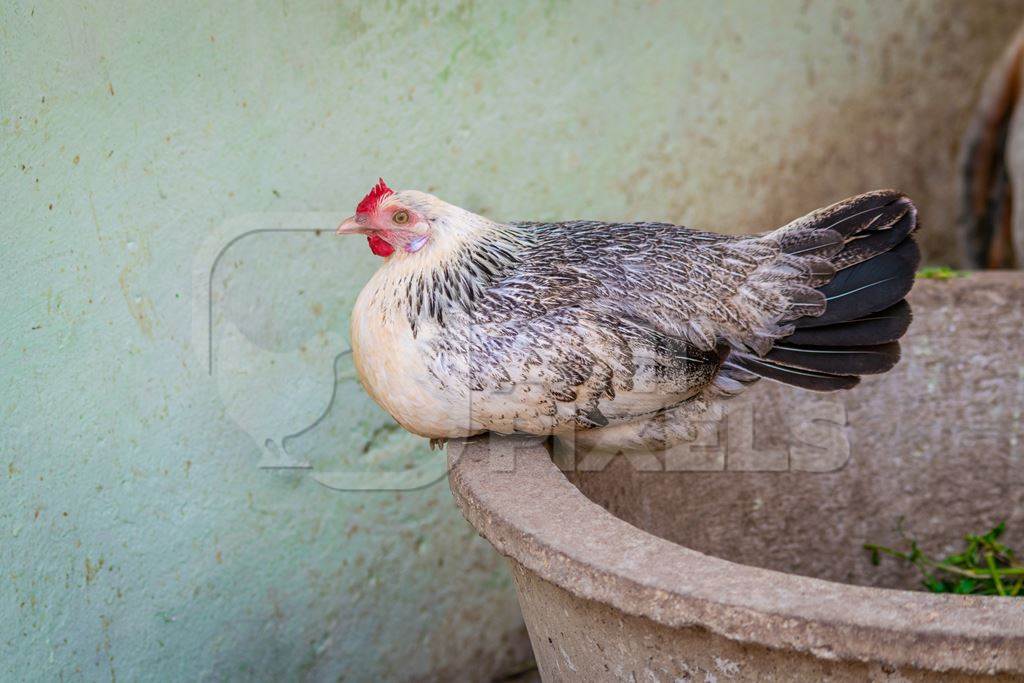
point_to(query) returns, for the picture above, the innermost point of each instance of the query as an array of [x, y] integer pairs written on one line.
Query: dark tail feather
[[837, 360], [875, 328], [868, 240], [864, 246], [827, 232], [805, 379], [870, 286]]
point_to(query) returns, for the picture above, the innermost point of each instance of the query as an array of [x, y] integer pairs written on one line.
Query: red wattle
[[379, 247]]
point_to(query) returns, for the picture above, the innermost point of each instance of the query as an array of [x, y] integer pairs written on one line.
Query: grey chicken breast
[[623, 335]]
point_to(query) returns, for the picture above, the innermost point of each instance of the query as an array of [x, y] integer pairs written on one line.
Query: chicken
[[627, 335]]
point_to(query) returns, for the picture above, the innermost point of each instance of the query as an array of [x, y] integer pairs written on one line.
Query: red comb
[[373, 198]]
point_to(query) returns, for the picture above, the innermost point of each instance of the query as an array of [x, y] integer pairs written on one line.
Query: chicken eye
[[400, 217]]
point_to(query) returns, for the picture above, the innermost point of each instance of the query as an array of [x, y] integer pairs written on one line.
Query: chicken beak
[[351, 226]]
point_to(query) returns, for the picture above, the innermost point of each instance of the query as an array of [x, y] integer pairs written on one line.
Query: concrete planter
[[742, 559]]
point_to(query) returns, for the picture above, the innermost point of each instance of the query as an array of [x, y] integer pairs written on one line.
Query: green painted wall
[[140, 539]]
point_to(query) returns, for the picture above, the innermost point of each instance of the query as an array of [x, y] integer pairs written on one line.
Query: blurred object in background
[[992, 164]]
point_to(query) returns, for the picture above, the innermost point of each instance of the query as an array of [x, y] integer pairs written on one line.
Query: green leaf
[[939, 273], [979, 569], [915, 552]]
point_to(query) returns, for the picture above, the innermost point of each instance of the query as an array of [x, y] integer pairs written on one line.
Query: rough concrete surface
[[585, 640], [735, 574]]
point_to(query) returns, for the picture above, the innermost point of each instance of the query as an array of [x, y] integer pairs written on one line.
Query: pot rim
[[533, 514]]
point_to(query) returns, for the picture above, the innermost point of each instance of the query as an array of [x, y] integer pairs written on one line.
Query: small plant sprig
[[940, 273], [985, 567]]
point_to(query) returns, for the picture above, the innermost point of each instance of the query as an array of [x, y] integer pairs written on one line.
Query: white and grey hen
[[625, 335]]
